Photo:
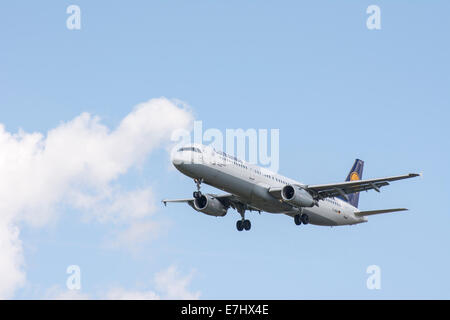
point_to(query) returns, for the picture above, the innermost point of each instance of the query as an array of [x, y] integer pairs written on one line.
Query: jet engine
[[210, 206], [297, 196]]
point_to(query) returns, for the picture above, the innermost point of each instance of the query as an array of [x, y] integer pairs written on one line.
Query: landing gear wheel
[[304, 218], [247, 225], [239, 225], [297, 219], [197, 194]]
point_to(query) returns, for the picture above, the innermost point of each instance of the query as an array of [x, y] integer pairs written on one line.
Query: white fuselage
[[252, 183]]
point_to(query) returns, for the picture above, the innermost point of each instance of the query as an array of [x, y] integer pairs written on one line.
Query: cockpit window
[[190, 149]]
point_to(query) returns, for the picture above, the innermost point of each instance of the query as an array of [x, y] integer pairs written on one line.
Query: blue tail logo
[[355, 174]]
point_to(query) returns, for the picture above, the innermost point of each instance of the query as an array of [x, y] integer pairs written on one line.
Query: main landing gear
[[301, 218], [242, 224], [197, 194]]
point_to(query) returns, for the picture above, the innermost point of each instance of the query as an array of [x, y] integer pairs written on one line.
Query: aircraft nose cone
[[177, 160], [181, 159]]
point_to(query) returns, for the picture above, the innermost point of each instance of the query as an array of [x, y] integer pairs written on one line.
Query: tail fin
[[355, 174]]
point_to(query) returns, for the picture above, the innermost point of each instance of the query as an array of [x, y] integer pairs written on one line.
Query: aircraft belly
[[227, 182], [319, 219], [261, 198], [256, 195]]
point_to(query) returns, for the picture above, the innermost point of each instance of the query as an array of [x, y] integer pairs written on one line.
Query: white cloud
[[113, 204], [169, 284], [77, 164], [56, 293], [12, 274], [174, 286], [137, 234], [122, 294]]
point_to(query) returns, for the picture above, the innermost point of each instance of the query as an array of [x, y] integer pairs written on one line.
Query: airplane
[[250, 187]]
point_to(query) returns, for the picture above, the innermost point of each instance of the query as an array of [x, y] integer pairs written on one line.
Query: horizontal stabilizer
[[371, 212]]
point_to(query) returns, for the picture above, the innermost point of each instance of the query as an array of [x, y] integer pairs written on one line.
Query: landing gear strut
[[243, 224], [197, 194]]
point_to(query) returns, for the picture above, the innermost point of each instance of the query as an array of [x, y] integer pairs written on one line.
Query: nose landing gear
[[197, 194]]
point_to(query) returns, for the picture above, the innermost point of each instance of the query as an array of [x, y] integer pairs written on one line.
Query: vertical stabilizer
[[355, 173]]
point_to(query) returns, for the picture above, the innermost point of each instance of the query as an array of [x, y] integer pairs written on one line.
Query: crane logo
[[354, 176]]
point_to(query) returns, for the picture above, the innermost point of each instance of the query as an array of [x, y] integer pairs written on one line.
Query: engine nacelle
[[210, 206], [297, 196]]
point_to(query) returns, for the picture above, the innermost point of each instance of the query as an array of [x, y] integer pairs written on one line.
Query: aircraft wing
[[190, 200], [227, 199], [322, 191], [165, 201], [371, 212]]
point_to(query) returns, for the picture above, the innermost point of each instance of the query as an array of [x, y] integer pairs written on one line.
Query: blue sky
[[335, 90]]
